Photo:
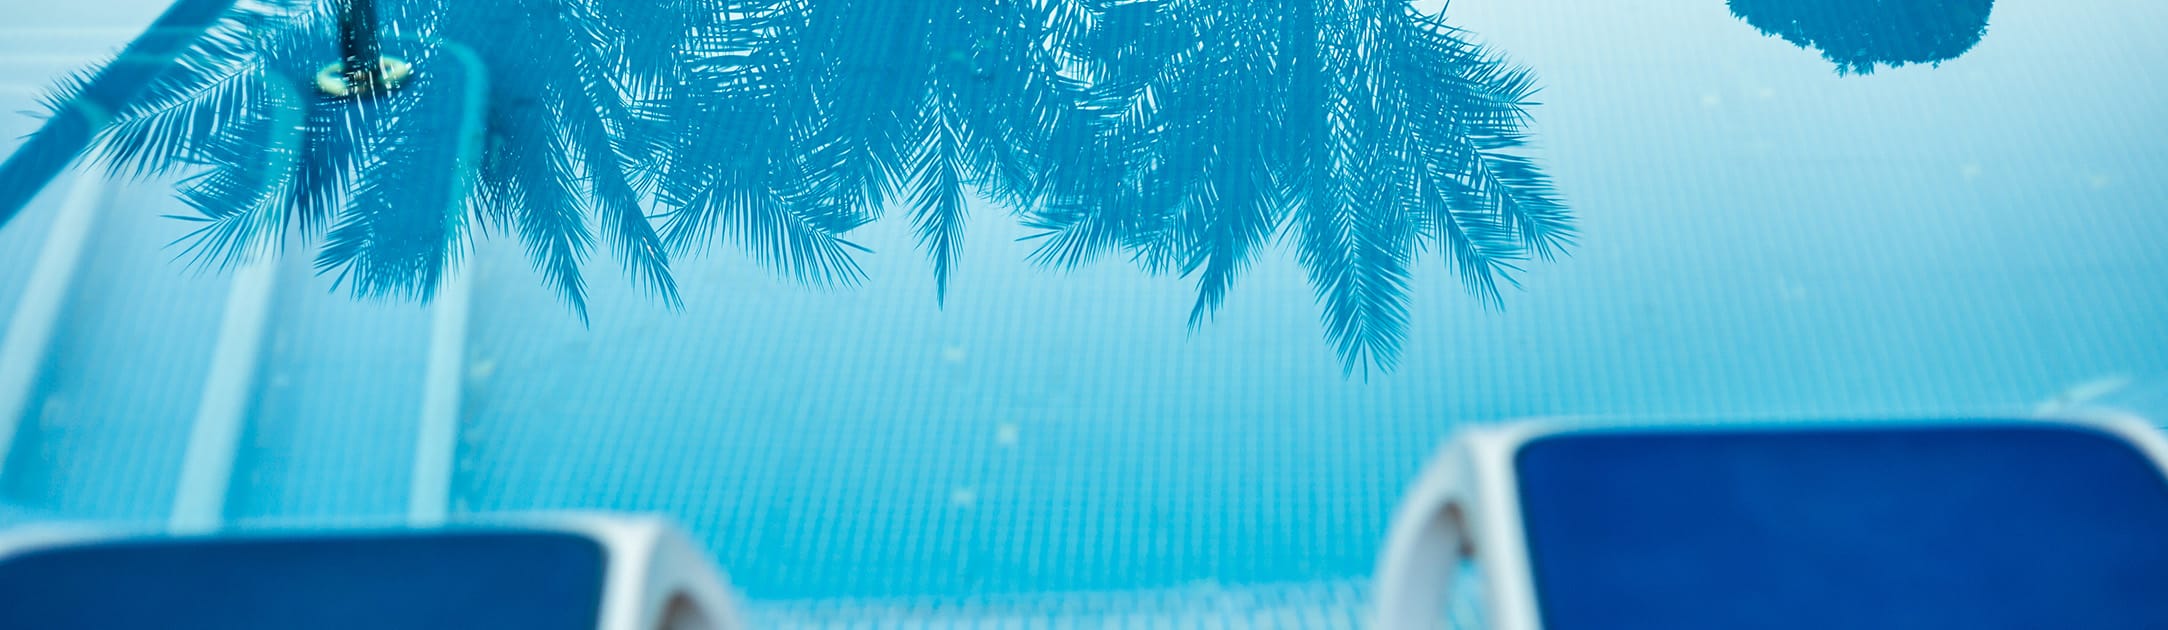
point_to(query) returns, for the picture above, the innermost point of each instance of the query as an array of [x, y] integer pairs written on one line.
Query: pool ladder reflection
[[230, 384], [30, 329]]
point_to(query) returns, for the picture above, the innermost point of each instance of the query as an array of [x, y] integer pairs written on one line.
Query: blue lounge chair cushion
[[465, 580], [1983, 526]]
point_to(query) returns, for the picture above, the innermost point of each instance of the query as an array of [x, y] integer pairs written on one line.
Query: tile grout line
[[31, 328], [199, 501]]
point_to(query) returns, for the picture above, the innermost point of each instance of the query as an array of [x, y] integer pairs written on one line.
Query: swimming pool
[[1756, 234]]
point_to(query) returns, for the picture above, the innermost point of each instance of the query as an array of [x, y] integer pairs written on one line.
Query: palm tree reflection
[[795, 122], [1859, 35], [514, 119], [1186, 135], [1363, 130]]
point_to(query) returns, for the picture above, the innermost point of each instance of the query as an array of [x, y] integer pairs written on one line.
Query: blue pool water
[[1758, 235]]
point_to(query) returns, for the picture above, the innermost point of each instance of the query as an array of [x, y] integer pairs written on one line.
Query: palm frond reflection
[[1186, 136]]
